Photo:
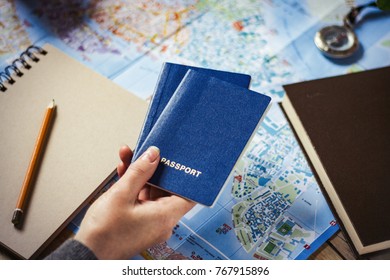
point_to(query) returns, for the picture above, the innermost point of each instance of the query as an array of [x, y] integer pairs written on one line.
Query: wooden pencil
[[24, 191]]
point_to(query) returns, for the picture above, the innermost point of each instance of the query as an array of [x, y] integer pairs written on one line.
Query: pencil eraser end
[[17, 217]]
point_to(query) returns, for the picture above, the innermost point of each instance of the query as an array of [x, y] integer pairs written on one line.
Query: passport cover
[[201, 133], [170, 77]]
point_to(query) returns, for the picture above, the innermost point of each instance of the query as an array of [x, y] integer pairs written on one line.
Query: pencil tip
[[52, 104]]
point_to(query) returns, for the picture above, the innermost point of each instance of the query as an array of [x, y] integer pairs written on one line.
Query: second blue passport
[[201, 133], [170, 77]]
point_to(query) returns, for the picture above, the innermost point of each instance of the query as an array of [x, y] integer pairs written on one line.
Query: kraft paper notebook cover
[[201, 133], [94, 117], [169, 79], [343, 124]]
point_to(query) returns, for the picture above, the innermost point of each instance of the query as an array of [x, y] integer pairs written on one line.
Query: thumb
[[141, 170]]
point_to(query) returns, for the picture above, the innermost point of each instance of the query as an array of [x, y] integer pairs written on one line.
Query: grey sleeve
[[72, 250]]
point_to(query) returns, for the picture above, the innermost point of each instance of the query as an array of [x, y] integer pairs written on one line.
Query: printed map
[[272, 207]]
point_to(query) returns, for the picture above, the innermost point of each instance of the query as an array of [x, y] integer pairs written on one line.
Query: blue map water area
[[302, 211]]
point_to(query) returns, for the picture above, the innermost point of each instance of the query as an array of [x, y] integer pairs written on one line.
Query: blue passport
[[170, 77], [201, 133]]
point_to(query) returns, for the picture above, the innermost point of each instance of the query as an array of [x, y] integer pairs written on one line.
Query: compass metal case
[[336, 41]]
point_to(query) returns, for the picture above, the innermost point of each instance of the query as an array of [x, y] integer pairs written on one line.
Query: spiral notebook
[[94, 117]]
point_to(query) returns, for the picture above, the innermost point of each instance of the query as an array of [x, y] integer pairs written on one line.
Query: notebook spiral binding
[[22, 62]]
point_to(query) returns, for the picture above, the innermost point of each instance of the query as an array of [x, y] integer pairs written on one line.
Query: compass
[[336, 41], [340, 41]]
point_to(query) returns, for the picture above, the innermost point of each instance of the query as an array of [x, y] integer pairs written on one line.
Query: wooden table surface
[[337, 248]]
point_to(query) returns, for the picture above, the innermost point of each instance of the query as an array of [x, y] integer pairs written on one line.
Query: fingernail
[[151, 153]]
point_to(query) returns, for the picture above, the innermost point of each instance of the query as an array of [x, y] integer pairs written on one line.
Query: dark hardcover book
[[343, 125], [201, 133], [170, 77]]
